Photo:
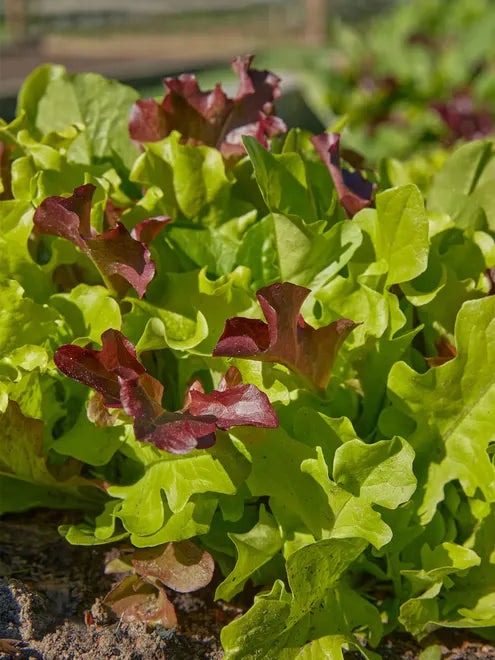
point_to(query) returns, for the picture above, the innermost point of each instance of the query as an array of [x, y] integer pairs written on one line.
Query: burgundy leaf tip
[[67, 217], [116, 374], [148, 229], [353, 190], [212, 118], [445, 351], [100, 369], [285, 338], [123, 259]]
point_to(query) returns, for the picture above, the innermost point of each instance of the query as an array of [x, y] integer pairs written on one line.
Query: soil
[[51, 602], [51, 608]]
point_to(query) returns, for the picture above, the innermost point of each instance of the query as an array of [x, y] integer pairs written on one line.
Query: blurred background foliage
[[393, 75], [140, 42]]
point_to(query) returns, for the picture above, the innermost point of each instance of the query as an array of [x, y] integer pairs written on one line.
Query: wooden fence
[[22, 17]]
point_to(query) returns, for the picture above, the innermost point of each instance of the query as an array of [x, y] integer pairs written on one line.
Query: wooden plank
[[61, 8], [16, 22], [316, 21]]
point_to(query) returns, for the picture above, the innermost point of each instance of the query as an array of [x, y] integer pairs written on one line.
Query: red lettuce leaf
[[286, 338], [67, 217], [148, 229], [195, 425], [445, 351], [463, 118], [175, 432], [148, 121], [354, 191], [122, 258], [238, 405], [99, 369], [212, 118], [231, 378], [182, 566], [136, 599], [115, 373]]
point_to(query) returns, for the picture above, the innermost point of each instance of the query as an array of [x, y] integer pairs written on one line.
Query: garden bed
[[51, 593], [51, 601]]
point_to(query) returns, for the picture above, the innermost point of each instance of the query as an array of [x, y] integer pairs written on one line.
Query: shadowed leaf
[[136, 599], [182, 566], [353, 189]]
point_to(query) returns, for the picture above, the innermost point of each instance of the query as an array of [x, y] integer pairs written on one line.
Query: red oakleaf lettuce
[[193, 426], [212, 118], [146, 230], [354, 191], [463, 118], [122, 258], [182, 566], [67, 217], [137, 599], [99, 369], [121, 380], [286, 338], [232, 403], [175, 432]]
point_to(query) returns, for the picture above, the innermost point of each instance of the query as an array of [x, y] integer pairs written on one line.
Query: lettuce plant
[[212, 118], [122, 382], [224, 349], [122, 259], [182, 566]]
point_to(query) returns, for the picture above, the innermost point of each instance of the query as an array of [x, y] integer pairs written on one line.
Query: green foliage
[[382, 483]]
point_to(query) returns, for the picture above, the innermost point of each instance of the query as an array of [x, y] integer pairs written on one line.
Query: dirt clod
[[24, 614]]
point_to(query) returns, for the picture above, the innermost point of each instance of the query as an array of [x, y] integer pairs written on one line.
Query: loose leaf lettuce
[[122, 381], [24, 469], [212, 118], [121, 259], [344, 467], [53, 99], [285, 338], [353, 189], [450, 406]]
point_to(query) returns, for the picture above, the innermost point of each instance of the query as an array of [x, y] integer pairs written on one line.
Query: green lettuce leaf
[[254, 549], [285, 248], [450, 406], [53, 99]]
